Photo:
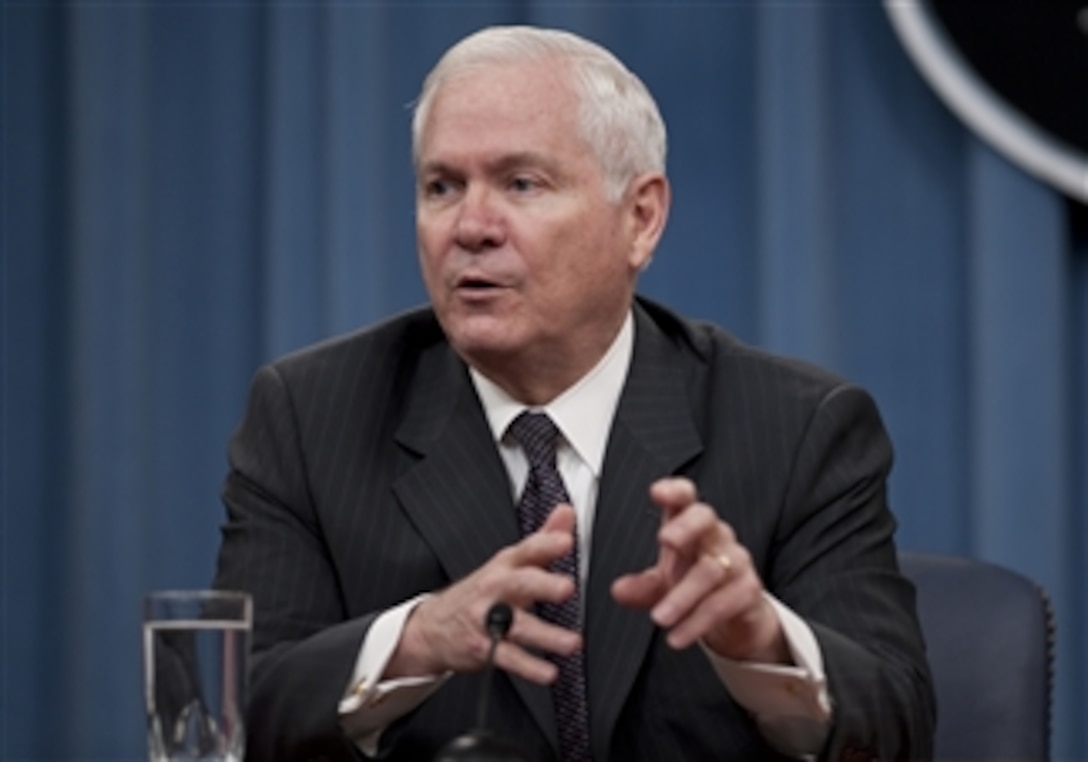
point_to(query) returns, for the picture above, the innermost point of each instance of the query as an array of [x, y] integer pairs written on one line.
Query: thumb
[[561, 519]]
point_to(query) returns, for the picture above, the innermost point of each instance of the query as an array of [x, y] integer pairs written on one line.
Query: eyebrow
[[525, 159], [500, 165]]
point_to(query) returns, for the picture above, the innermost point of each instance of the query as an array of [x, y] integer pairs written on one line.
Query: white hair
[[618, 117]]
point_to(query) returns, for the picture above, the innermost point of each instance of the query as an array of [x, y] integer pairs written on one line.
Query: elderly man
[[692, 534]]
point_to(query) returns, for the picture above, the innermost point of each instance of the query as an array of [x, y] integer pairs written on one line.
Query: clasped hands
[[703, 586]]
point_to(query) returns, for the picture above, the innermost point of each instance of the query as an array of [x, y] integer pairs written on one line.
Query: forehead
[[503, 107]]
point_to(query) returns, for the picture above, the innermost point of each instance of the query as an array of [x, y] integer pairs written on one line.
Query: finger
[[704, 578], [642, 590], [511, 658], [695, 530], [527, 585], [539, 548], [726, 614], [530, 631], [678, 499], [673, 494], [529, 638], [561, 519], [713, 613]]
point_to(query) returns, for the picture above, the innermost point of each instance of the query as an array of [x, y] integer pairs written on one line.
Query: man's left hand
[[703, 585]]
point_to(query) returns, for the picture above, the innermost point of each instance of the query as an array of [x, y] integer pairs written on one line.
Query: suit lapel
[[457, 494], [653, 435]]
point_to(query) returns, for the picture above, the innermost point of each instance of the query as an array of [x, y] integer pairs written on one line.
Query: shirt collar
[[583, 412]]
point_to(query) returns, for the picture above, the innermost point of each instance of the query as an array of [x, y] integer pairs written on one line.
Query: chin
[[490, 355], [482, 331], [483, 353]]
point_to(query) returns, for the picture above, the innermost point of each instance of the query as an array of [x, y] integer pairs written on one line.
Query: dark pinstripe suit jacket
[[364, 473]]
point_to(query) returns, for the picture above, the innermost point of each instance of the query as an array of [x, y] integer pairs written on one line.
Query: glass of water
[[196, 647]]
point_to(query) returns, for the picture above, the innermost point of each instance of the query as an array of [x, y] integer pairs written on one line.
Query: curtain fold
[[193, 189], [1022, 407]]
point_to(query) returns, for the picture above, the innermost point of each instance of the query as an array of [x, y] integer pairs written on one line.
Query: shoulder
[[392, 342], [364, 377], [370, 366], [726, 362]]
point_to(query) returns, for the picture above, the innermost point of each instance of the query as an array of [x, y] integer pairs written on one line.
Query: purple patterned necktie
[[544, 489]]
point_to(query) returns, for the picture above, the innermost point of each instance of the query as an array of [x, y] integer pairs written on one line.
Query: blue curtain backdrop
[[190, 189]]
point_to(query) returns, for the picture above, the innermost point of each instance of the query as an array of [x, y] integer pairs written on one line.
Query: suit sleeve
[[303, 651], [835, 565]]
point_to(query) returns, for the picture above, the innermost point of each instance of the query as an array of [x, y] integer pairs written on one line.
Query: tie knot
[[537, 435]]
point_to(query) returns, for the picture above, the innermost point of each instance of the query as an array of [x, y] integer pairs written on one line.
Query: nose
[[480, 224]]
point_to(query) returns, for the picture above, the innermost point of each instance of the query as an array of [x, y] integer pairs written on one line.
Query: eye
[[440, 185], [523, 184], [437, 188]]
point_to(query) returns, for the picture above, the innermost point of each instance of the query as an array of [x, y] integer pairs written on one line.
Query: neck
[[532, 384], [536, 377]]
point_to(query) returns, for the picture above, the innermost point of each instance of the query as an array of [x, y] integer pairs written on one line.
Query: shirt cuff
[[370, 704], [790, 703]]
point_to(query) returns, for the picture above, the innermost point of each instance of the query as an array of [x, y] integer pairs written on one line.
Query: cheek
[[601, 278], [594, 259], [431, 271], [428, 249]]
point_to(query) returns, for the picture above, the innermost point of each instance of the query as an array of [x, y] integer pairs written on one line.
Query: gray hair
[[619, 119]]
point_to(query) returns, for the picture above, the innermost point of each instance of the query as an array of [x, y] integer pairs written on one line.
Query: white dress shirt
[[790, 703]]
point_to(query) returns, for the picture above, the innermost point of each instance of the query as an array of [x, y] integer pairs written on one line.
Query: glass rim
[[197, 594], [203, 604]]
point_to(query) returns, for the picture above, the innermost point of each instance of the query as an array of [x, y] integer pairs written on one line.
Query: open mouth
[[476, 284]]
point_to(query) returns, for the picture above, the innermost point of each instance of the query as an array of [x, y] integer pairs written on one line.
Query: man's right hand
[[446, 632]]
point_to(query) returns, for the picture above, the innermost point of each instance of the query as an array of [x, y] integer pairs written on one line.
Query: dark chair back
[[990, 640]]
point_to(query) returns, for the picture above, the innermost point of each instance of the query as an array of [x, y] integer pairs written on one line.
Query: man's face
[[529, 267]]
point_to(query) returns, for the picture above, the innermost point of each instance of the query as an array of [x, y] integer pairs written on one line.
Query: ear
[[648, 198]]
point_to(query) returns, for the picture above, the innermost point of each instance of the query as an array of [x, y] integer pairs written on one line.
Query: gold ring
[[724, 561]]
